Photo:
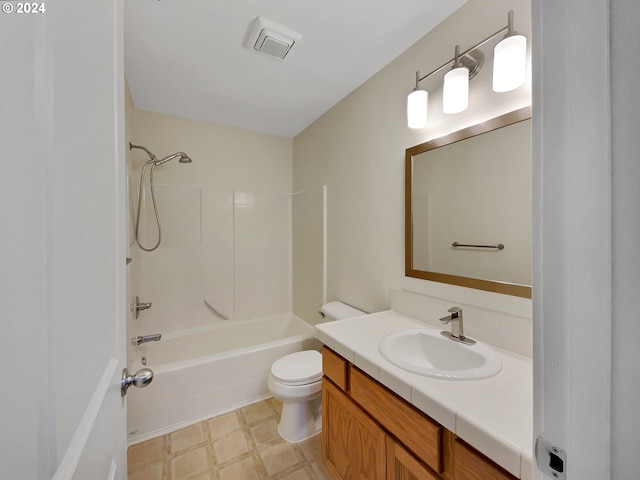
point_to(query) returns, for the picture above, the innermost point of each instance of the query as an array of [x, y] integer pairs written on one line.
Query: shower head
[[181, 156]]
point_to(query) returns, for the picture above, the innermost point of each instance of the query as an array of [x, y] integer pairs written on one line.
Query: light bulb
[[509, 63], [455, 92], [417, 109]]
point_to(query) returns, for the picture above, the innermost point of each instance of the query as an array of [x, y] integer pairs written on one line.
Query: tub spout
[[145, 338]]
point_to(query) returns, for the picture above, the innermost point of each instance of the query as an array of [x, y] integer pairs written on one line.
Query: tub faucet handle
[[138, 306]]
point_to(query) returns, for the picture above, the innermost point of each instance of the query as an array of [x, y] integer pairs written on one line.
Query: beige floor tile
[[302, 474], [246, 469], [147, 452], [187, 437], [312, 448], [189, 463], [231, 446], [320, 470], [205, 476], [256, 412], [278, 458], [276, 405], [221, 425], [148, 472], [246, 446], [265, 433]]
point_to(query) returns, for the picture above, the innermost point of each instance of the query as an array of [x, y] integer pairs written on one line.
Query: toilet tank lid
[[298, 367]]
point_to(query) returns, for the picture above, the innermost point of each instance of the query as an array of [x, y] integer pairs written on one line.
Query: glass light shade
[[455, 92], [509, 63], [417, 109]]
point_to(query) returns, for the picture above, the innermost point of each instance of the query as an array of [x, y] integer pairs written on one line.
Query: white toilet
[[296, 380]]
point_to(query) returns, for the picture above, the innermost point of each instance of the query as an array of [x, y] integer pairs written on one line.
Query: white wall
[[357, 149], [226, 224], [625, 101]]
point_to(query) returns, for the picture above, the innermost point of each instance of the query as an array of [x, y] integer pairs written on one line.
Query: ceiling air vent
[[271, 39]]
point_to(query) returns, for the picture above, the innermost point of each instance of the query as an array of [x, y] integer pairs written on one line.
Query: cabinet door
[[472, 465], [353, 446], [402, 465], [406, 423]]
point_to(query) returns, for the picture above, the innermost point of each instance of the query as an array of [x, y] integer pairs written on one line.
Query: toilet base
[[300, 420]]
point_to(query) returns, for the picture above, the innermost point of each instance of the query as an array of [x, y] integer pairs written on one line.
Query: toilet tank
[[338, 311]]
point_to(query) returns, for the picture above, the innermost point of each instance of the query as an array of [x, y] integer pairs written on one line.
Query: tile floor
[[240, 445]]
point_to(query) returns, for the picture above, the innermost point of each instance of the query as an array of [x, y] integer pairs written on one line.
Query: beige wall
[[308, 286], [223, 157], [357, 150]]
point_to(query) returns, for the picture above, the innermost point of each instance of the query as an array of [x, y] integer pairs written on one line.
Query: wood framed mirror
[[468, 207]]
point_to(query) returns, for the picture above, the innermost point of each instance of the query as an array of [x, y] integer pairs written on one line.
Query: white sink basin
[[426, 352]]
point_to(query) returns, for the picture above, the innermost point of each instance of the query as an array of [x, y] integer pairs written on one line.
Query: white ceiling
[[186, 57]]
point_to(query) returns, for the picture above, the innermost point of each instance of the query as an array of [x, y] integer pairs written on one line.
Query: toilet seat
[[299, 368]]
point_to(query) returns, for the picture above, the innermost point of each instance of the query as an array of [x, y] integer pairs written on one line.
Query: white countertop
[[493, 415]]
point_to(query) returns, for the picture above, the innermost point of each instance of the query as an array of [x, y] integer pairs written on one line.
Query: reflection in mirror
[[468, 207]]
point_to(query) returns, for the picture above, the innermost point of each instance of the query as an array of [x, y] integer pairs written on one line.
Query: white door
[[62, 241], [586, 260]]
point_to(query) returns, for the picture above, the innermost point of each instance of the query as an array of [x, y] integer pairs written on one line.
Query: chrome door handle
[[140, 379]]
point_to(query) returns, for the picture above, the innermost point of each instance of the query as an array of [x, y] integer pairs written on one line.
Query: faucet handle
[[455, 314], [138, 306], [457, 329]]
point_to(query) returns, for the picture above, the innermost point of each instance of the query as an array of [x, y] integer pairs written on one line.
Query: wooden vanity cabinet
[[357, 447], [402, 465], [409, 425], [368, 432], [353, 445], [472, 465]]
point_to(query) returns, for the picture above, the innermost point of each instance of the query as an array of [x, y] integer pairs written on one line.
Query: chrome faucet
[[145, 339], [457, 327]]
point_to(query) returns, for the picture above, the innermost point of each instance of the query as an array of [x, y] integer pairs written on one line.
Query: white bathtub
[[203, 373]]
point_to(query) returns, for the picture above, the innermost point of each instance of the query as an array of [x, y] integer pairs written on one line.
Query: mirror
[[468, 207]]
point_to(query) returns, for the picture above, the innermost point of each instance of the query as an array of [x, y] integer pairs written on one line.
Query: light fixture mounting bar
[[508, 28]]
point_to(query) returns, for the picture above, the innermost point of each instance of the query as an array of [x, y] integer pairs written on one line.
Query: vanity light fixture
[[509, 72], [455, 91], [417, 106], [509, 60]]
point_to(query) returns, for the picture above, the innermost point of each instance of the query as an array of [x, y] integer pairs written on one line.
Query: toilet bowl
[[296, 380]]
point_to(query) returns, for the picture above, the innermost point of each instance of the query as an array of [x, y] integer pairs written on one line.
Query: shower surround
[[231, 248]]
